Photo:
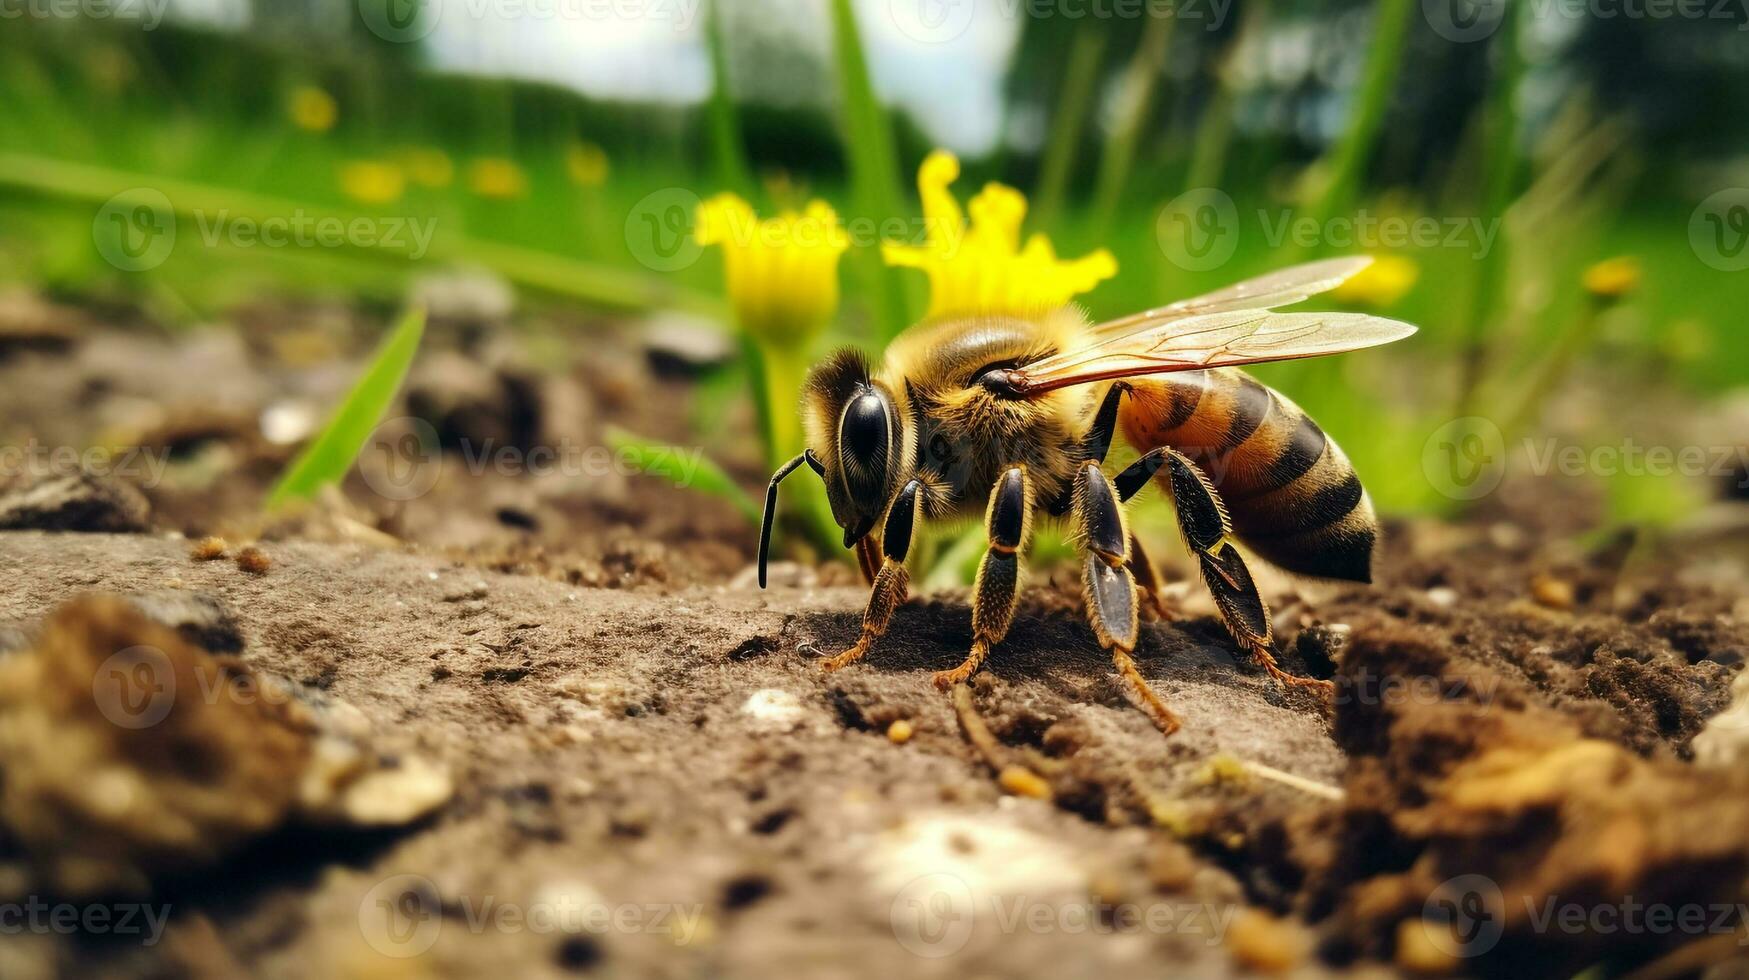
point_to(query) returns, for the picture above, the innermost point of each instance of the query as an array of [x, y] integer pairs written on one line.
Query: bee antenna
[[786, 469]]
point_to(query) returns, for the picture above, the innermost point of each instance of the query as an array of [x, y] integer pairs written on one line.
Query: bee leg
[[1110, 588], [867, 557], [1148, 580], [1203, 521], [892, 579], [1130, 482], [1095, 444], [1008, 523]]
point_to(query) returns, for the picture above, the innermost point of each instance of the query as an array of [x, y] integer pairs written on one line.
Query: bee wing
[[1188, 343], [1283, 287]]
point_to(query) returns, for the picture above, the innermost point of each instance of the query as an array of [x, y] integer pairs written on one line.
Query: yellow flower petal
[[782, 272], [983, 268], [497, 178]]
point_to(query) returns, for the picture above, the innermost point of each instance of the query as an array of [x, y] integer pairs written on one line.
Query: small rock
[[470, 592], [15, 638], [1022, 781], [203, 619], [680, 345], [1443, 596], [1551, 592], [81, 501], [774, 709], [1259, 941]]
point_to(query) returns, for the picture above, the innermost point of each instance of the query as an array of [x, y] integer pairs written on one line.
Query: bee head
[[857, 432]]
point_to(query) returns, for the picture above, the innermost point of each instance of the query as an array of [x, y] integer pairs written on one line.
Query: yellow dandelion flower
[[982, 267], [313, 109], [427, 166], [372, 181], [1612, 279], [497, 178], [586, 163], [1381, 284], [782, 272]]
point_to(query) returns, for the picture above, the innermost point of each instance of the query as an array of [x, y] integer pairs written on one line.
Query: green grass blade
[[688, 469], [327, 459]]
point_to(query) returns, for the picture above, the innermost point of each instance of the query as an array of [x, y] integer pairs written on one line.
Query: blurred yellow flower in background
[[982, 268], [1381, 284], [782, 276], [497, 177], [1613, 279], [586, 163], [372, 181], [427, 166], [782, 272], [313, 109]]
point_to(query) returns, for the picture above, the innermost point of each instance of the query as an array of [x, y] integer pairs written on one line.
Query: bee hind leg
[[1008, 524], [1110, 586], [1203, 521], [892, 580]]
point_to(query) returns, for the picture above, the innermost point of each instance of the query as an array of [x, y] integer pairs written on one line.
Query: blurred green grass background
[[1542, 137]]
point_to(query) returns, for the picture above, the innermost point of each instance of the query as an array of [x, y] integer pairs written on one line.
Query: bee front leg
[[891, 580], [1008, 523], [1110, 588], [1203, 521]]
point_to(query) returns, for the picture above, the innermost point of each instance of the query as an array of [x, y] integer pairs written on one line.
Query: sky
[[941, 60]]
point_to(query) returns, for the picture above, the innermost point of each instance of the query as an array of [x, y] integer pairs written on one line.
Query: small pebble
[[900, 732], [1443, 596], [1551, 592], [254, 561], [1022, 781], [1262, 942]]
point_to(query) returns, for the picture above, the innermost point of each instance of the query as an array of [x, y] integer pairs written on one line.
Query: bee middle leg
[[1110, 587], [1203, 521], [1008, 523], [891, 580]]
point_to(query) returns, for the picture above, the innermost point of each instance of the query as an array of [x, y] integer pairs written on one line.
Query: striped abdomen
[[1292, 495]]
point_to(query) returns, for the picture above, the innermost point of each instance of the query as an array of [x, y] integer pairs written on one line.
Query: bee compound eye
[[864, 430]]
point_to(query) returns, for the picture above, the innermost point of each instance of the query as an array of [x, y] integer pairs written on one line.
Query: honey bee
[[1012, 417]]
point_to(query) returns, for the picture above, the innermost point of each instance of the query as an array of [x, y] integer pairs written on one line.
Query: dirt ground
[[543, 724]]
